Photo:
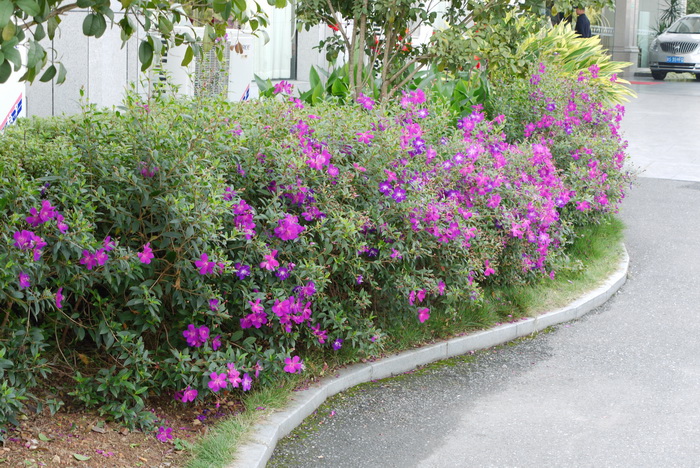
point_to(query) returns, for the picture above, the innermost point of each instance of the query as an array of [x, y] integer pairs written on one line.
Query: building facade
[[100, 70]]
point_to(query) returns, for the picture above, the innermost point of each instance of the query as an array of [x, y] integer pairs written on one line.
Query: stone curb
[[258, 450]]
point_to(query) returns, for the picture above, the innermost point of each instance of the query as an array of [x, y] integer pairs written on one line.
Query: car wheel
[[659, 75], [697, 77]]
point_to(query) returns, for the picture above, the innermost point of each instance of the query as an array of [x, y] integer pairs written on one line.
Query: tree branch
[[56, 12]]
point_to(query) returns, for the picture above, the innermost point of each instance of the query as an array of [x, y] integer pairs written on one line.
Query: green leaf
[[61, 74], [35, 55], [80, 457], [39, 32], [165, 26], [280, 3], [8, 32], [43, 437], [48, 74], [339, 88], [94, 25], [6, 10], [314, 79], [145, 55], [316, 93], [189, 55], [53, 23], [5, 71], [30, 7], [12, 55]]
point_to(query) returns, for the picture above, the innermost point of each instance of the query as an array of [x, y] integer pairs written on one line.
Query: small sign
[[15, 112], [674, 59]]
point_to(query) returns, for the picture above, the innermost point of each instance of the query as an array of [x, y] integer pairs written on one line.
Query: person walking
[[583, 25]]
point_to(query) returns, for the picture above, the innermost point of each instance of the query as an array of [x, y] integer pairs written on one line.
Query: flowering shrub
[[182, 250]]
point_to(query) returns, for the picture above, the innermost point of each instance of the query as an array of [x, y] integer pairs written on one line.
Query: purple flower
[[594, 69], [101, 257], [147, 255], [146, 170], [337, 344], [213, 304], [242, 271], [283, 87], [293, 365], [308, 290], [24, 280], [189, 394], [108, 244], [59, 298], [234, 377], [423, 314], [205, 266], [246, 382], [366, 102], [217, 381], [385, 187], [488, 271], [399, 195], [229, 193], [365, 137], [359, 279], [269, 263], [62, 227], [24, 239], [216, 342], [288, 228], [165, 434], [44, 214], [441, 288], [88, 260], [332, 170], [196, 336], [282, 273]]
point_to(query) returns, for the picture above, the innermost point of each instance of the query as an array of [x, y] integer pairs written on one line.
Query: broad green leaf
[[35, 54], [5, 71], [61, 74], [6, 10], [314, 79], [43, 437], [339, 88], [317, 93], [48, 74], [53, 23], [165, 25], [145, 55], [8, 32], [12, 55], [189, 55], [80, 457], [39, 32], [280, 3], [94, 25], [30, 7]]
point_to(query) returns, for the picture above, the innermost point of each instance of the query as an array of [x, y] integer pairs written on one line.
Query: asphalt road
[[619, 388]]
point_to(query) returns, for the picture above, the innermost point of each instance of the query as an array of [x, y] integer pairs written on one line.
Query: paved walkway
[[618, 388]]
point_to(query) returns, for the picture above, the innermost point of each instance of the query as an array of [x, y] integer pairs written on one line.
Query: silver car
[[677, 49]]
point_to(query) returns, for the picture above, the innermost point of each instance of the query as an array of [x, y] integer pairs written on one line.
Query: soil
[[81, 439]]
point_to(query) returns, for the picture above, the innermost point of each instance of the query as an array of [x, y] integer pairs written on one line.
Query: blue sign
[[14, 113]]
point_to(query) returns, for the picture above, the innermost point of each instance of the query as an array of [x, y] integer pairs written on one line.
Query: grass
[[589, 261]]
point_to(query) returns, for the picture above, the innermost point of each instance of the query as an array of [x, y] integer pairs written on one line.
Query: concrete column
[[625, 47]]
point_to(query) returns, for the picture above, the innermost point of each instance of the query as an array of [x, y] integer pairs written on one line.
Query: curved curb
[[258, 450]]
